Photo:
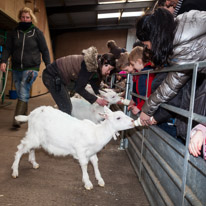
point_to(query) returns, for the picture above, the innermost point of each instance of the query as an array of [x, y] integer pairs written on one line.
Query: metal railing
[[141, 142]]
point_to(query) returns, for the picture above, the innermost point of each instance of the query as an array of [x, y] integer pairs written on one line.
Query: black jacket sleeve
[[43, 47], [82, 81], [95, 83]]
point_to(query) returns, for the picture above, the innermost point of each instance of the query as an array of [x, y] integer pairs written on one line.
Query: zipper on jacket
[[22, 52]]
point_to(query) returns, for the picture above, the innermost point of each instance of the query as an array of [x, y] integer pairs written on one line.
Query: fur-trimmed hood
[[90, 58]]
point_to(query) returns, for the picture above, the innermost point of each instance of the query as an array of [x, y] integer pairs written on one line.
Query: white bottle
[[125, 101], [137, 122]]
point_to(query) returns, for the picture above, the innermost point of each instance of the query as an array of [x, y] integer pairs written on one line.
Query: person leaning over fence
[[198, 141], [76, 71], [25, 45], [139, 62], [171, 41]]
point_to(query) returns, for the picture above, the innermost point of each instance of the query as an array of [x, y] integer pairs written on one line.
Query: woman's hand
[[3, 67], [145, 119], [102, 102], [196, 143]]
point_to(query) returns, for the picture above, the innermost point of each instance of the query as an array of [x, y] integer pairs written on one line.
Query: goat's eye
[[118, 118]]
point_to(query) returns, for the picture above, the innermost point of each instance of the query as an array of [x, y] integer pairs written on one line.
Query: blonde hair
[[136, 53], [27, 10]]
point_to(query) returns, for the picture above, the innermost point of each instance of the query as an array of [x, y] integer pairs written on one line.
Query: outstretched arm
[[198, 137], [168, 89]]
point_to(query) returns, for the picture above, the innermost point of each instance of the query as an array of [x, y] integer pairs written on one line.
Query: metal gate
[[166, 170]]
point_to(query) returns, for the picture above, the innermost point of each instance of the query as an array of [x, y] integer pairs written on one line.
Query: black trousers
[[58, 90]]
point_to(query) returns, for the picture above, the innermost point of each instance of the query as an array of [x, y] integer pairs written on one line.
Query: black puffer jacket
[[25, 48], [199, 104], [187, 5]]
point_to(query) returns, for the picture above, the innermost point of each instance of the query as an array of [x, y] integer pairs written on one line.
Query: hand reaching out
[[3, 67], [145, 119], [196, 143], [102, 102]]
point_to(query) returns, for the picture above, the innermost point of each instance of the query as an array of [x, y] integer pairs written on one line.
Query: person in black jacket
[[177, 7], [25, 45], [114, 49], [73, 73]]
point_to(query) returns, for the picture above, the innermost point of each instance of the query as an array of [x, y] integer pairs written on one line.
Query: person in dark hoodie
[[114, 49], [25, 45], [77, 71]]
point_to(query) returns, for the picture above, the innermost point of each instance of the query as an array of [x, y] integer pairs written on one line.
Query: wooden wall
[[75, 42], [65, 44], [11, 8]]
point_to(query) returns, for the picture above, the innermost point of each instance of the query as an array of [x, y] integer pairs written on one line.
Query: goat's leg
[[85, 177], [94, 161], [22, 149], [32, 159]]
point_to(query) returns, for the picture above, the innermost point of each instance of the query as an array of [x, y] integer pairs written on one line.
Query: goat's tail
[[21, 118]]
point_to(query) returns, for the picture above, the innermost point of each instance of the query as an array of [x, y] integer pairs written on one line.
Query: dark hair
[[159, 28], [114, 49], [137, 43], [107, 58], [160, 3], [111, 44]]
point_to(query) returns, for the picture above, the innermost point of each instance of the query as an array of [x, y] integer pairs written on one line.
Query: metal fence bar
[[124, 141], [189, 127], [184, 113], [112, 81], [186, 194]]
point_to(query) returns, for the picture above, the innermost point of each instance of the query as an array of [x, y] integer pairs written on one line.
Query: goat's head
[[110, 95], [118, 120]]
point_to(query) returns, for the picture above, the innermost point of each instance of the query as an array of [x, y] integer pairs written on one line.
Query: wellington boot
[[21, 109], [26, 109]]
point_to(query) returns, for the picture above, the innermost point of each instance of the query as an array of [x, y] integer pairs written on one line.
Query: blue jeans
[[22, 85]]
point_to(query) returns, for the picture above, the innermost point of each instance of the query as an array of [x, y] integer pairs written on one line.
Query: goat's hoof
[[88, 186], [36, 166], [14, 175], [101, 183]]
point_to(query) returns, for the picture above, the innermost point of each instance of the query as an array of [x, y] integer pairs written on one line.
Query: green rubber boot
[[21, 109]]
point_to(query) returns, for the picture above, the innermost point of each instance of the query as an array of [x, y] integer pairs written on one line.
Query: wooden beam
[[136, 6]]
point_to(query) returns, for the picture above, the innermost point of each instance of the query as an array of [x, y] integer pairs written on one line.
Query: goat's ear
[[102, 93], [103, 115], [107, 110]]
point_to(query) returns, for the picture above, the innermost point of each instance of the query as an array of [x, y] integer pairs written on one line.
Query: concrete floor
[[58, 180]]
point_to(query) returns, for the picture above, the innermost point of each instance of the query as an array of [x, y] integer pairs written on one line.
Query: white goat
[[82, 109], [61, 134], [108, 94]]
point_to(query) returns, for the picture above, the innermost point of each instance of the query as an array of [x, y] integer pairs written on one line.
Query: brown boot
[[21, 109]]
